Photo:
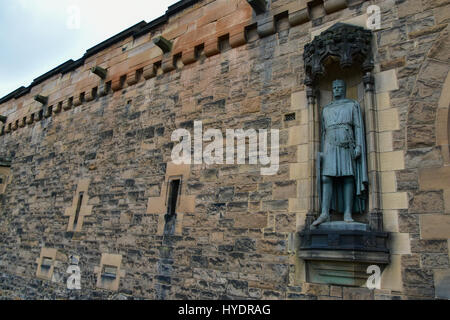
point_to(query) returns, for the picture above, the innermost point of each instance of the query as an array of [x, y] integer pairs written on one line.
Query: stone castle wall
[[231, 69]]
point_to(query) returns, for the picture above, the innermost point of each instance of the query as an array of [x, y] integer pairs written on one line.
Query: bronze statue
[[342, 168]]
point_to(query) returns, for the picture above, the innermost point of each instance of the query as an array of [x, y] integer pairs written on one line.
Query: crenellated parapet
[[189, 29]]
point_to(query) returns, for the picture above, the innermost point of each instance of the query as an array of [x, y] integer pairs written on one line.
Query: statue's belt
[[343, 144], [339, 125]]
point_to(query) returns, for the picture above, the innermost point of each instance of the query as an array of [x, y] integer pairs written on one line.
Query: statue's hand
[[320, 154], [357, 152]]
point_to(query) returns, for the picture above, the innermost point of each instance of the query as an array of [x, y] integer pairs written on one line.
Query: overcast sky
[[38, 35]]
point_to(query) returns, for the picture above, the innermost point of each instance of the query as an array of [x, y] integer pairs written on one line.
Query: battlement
[[90, 177], [190, 30]]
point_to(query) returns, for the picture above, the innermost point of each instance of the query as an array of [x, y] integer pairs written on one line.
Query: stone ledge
[[352, 255]]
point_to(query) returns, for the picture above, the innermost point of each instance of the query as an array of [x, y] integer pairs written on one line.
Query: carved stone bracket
[[339, 256], [350, 44]]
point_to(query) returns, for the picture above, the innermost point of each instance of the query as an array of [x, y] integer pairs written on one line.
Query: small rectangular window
[[174, 187], [289, 117], [109, 272], [77, 212], [46, 263]]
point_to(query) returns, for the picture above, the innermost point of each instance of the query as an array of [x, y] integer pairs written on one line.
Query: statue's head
[[339, 89]]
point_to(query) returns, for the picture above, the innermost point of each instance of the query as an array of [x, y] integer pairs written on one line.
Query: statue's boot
[[348, 217], [324, 217]]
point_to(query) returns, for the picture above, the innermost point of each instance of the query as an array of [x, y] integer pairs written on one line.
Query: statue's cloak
[[360, 169]]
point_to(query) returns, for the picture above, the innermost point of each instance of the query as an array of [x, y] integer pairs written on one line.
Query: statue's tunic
[[341, 129]]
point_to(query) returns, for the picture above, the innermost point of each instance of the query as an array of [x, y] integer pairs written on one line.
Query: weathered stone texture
[[231, 240]]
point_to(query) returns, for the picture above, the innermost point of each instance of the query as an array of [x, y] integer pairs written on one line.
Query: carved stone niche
[[338, 252]]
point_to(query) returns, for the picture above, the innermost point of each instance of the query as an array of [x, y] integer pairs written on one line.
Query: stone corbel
[[22, 123], [66, 105], [48, 112], [258, 6], [103, 88], [334, 5], [167, 63], [238, 36], [266, 26], [132, 78], [58, 108], [299, 16], [99, 71], [149, 72], [212, 47], [164, 44], [77, 101], [89, 96], [30, 118], [188, 56], [41, 99]]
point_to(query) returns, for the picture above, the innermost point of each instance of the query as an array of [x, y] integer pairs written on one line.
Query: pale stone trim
[[85, 209], [47, 253], [113, 260]]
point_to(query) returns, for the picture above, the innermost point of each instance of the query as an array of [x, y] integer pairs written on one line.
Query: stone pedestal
[[340, 252]]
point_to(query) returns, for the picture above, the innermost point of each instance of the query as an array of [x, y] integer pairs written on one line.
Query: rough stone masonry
[[86, 169]]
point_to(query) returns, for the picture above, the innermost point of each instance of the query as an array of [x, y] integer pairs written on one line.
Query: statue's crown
[[339, 81]]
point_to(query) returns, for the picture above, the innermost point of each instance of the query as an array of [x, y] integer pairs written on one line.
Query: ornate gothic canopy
[[352, 45]]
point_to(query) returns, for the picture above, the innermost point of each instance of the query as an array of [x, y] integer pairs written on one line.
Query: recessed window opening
[[46, 263], [289, 117], [109, 272], [77, 212], [174, 187]]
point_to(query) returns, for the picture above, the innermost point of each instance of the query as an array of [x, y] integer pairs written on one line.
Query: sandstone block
[[434, 226]]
